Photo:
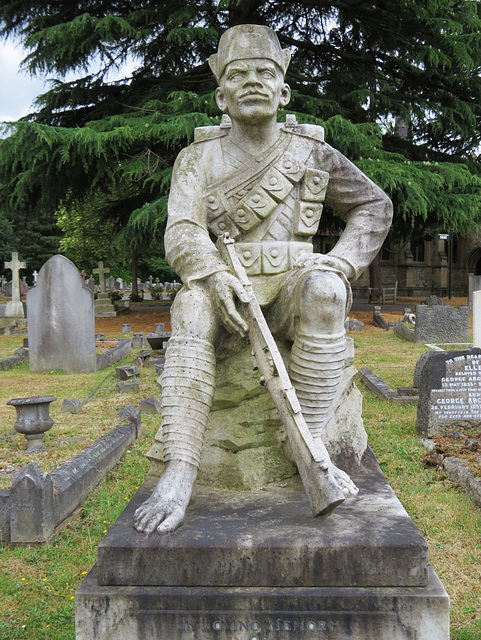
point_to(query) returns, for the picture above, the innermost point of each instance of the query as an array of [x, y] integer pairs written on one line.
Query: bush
[[115, 295], [135, 297]]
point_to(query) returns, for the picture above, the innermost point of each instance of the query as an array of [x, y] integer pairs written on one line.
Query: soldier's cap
[[247, 41]]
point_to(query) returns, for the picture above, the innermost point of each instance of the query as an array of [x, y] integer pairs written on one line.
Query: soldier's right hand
[[224, 289]]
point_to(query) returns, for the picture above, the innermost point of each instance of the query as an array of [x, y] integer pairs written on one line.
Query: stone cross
[[35, 276], [15, 265], [102, 271]]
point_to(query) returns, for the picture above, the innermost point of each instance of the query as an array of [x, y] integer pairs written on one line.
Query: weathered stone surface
[[4, 515], [127, 372], [149, 405], [245, 444], [254, 565], [138, 340], [71, 405], [381, 388], [405, 332], [104, 307], [290, 613], [460, 473], [19, 356], [128, 387], [449, 392], [60, 314], [130, 414], [354, 325], [378, 320], [441, 324], [269, 538], [74, 480], [31, 505], [114, 354], [420, 364]]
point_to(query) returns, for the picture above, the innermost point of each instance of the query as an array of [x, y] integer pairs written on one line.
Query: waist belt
[[265, 258]]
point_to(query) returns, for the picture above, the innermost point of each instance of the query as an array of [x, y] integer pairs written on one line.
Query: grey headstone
[[126, 328], [450, 392], [441, 324], [137, 341], [128, 387], [130, 414], [126, 372], [71, 405], [378, 320], [31, 505], [159, 327], [354, 325], [432, 301], [61, 329], [420, 364], [149, 405], [100, 336], [110, 283]]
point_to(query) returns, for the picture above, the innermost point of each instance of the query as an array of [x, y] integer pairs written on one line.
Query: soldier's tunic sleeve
[[189, 249], [366, 209]]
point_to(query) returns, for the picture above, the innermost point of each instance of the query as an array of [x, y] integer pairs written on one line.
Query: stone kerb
[[38, 502], [60, 314], [114, 354]]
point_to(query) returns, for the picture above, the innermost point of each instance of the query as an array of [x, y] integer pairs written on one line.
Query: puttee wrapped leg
[[188, 383], [315, 368]]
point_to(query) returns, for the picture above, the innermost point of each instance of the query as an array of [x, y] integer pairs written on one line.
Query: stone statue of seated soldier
[[265, 184]]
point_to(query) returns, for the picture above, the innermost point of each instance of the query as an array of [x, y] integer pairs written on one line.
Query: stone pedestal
[[255, 565], [104, 307]]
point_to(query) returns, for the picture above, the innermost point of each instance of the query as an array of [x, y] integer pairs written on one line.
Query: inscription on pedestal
[[450, 392]]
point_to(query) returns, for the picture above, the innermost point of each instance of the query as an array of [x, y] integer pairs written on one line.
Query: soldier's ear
[[285, 95], [220, 99]]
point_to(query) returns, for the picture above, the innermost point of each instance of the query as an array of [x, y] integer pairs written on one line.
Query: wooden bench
[[383, 294], [388, 293]]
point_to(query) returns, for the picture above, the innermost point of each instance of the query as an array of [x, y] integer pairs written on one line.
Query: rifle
[[312, 457]]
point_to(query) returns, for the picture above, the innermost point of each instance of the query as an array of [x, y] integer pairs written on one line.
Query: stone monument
[[104, 307], [14, 308], [255, 564], [60, 312]]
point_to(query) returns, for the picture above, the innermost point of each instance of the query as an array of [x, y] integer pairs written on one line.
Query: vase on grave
[[33, 419]]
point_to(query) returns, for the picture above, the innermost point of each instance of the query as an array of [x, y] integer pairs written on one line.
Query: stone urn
[[33, 419]]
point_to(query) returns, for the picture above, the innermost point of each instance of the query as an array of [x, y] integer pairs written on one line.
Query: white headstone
[[61, 325], [477, 318]]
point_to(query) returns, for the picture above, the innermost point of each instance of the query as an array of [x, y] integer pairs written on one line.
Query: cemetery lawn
[[37, 584]]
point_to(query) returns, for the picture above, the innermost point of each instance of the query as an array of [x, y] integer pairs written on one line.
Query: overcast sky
[[18, 89]]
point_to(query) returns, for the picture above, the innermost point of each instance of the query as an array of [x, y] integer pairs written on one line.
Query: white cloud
[[18, 88]]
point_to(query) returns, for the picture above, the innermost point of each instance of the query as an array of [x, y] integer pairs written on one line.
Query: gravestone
[[110, 283], [449, 392], [91, 283], [15, 307], [104, 307], [441, 324], [35, 276], [477, 318], [61, 330]]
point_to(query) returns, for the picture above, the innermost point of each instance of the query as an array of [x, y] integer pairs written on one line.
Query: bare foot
[[344, 481], [165, 510]]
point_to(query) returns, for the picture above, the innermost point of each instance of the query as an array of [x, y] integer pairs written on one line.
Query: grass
[[37, 584]]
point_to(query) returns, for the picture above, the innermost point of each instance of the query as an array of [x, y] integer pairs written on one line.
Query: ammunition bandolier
[[271, 205]]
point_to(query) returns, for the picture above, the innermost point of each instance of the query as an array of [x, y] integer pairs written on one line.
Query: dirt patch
[[141, 321], [464, 444]]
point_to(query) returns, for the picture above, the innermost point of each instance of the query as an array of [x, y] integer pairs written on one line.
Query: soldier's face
[[252, 90]]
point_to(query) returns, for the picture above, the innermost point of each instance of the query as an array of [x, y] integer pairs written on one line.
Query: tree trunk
[[135, 264], [375, 274]]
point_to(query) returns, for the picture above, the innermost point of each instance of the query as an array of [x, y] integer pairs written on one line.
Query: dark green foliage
[[7, 238], [362, 69]]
